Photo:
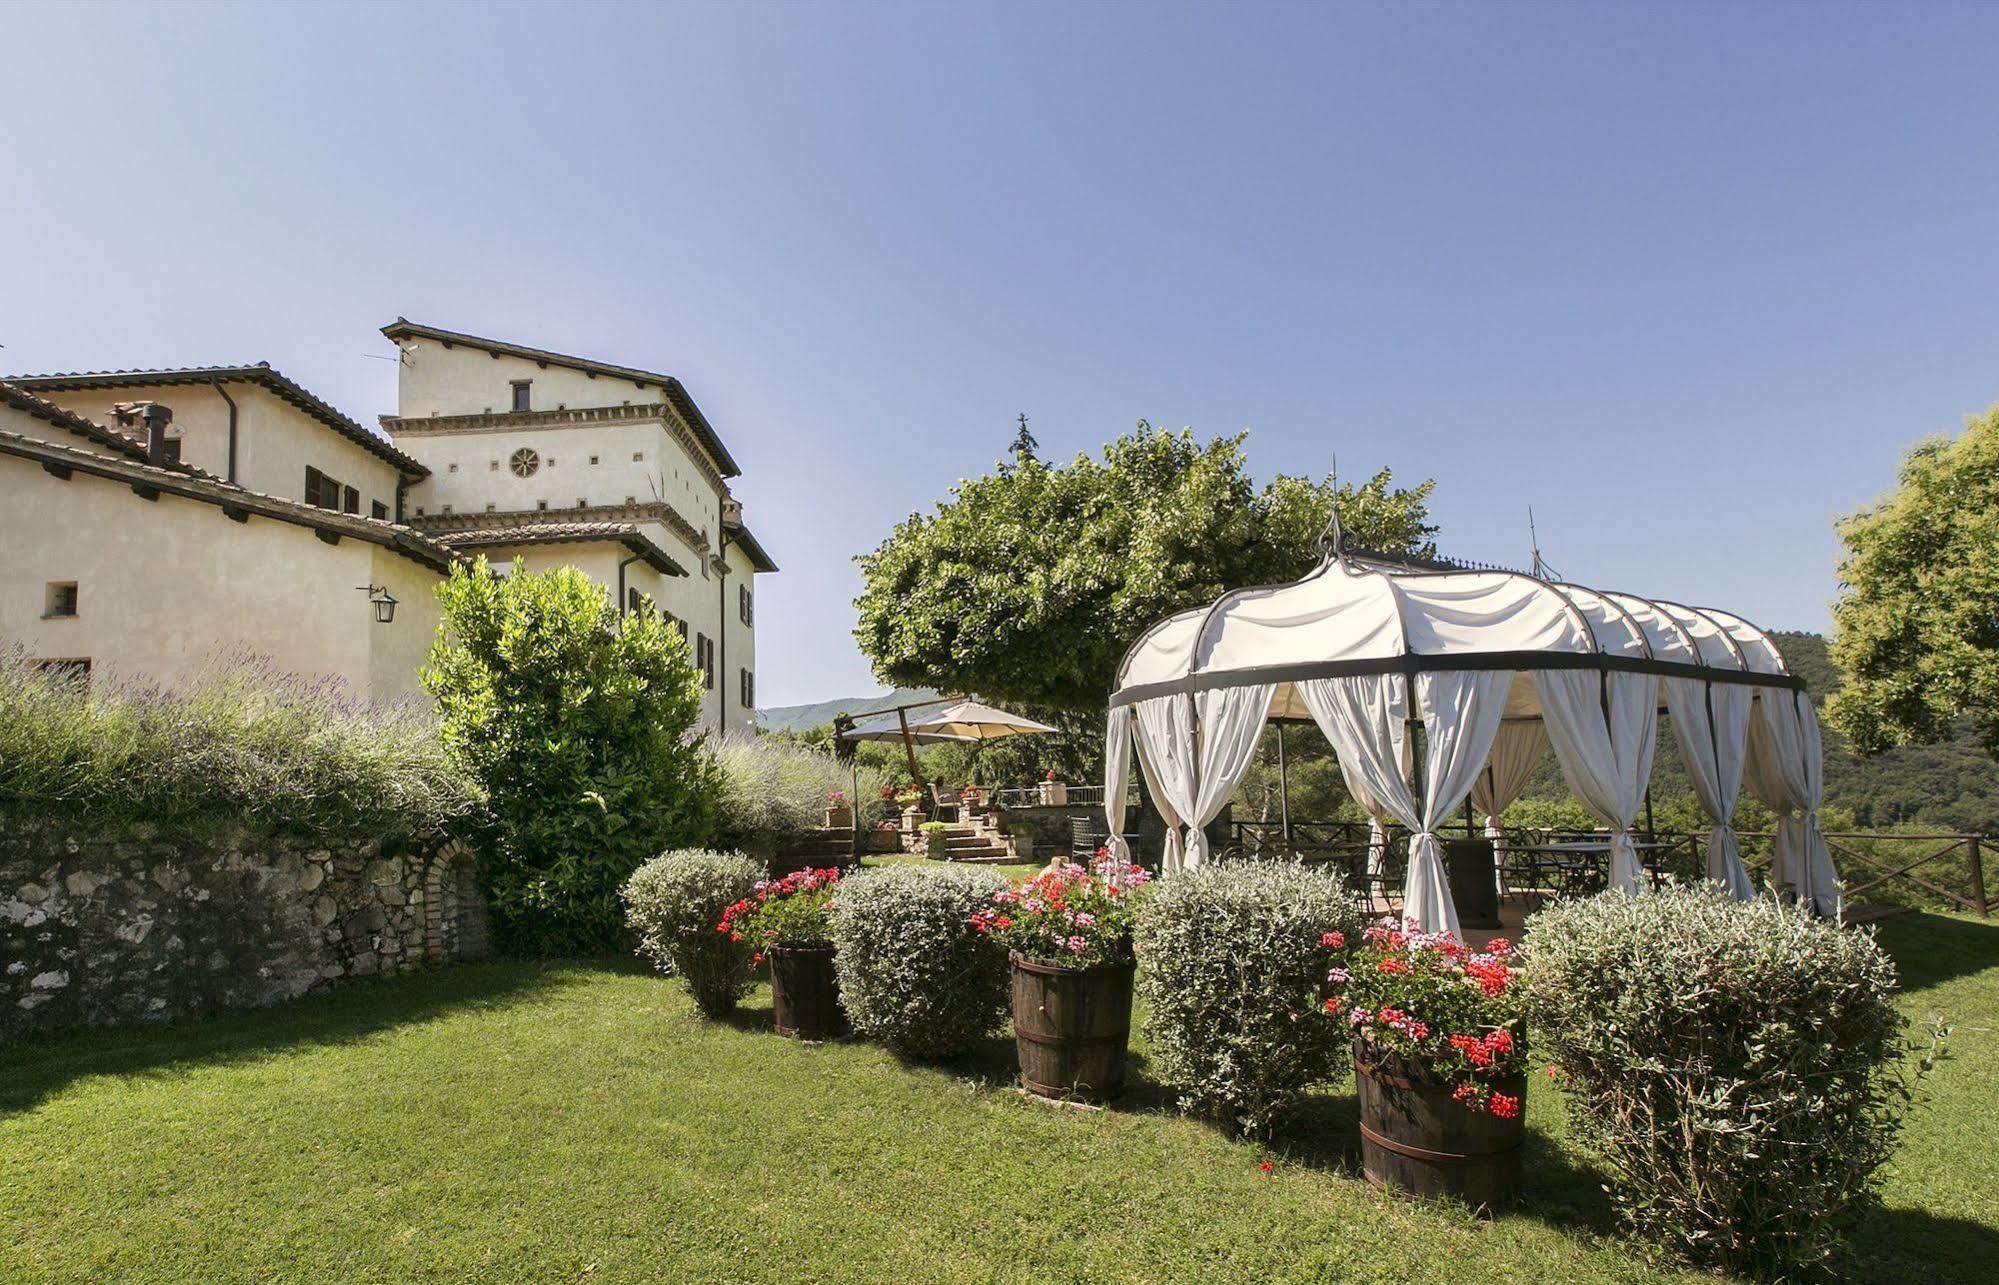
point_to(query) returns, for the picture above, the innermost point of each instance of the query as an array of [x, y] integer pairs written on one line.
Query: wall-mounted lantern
[[378, 596]]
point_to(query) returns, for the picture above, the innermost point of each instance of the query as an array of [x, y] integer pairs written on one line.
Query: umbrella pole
[[1283, 787], [909, 748]]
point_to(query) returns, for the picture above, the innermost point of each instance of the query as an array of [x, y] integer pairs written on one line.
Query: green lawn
[[522, 1122]]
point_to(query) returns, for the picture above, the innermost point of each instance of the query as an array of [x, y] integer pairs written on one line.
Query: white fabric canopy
[[1346, 645]]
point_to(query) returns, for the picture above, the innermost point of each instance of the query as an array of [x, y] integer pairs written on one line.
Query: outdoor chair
[[942, 799]]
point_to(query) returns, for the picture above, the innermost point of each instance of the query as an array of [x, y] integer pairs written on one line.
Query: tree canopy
[[1030, 582], [1916, 626]]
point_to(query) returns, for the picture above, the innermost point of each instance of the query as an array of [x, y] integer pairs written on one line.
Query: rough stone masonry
[[106, 929]]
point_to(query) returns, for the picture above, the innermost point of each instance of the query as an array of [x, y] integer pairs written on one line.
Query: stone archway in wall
[[455, 925]]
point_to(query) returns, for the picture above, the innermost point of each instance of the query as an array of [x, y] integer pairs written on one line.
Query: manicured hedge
[[915, 975], [1231, 959], [1739, 1068], [675, 903]]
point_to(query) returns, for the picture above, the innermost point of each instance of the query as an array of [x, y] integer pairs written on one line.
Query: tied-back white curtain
[[1366, 718], [1117, 769], [1516, 752], [1711, 727], [1166, 756], [1786, 772], [1603, 726], [1377, 812], [1192, 776]]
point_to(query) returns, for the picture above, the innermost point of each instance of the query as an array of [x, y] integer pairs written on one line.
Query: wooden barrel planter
[[1414, 1137], [805, 997], [1071, 1028]]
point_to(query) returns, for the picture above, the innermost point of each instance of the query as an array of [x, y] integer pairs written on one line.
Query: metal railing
[[1076, 796], [1875, 866]]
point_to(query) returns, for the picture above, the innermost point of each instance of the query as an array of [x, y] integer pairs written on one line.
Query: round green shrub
[[1738, 1066], [1230, 964], [674, 902], [915, 975]]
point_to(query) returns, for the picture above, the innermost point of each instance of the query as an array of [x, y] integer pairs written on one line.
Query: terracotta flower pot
[[1071, 1028], [1417, 1138], [805, 995]]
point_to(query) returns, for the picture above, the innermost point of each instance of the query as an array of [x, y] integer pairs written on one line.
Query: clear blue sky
[[1687, 278]]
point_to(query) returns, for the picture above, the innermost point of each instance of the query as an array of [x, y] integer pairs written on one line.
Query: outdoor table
[[1593, 866]]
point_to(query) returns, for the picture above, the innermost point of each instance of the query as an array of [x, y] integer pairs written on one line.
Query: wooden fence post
[[1978, 880]]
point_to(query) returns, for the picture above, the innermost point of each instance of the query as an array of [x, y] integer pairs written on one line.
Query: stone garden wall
[[102, 929]]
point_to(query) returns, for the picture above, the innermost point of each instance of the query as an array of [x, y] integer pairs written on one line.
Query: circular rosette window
[[524, 462]]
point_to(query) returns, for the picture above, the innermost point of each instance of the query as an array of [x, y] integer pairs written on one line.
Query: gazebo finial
[[1333, 540]]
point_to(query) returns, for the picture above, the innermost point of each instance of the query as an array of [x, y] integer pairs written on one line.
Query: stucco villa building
[[153, 521]]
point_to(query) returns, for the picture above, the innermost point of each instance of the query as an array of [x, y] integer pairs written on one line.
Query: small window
[[59, 600], [322, 491], [631, 499], [634, 600], [380, 511], [582, 503], [171, 453], [72, 670], [492, 466], [744, 605], [451, 468], [541, 504], [704, 658], [350, 500], [489, 508], [749, 685], [637, 456], [593, 459], [521, 387], [419, 510], [445, 509]]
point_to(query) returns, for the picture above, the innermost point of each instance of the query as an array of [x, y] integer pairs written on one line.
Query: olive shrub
[[915, 975], [1739, 1067], [674, 904], [1231, 959]]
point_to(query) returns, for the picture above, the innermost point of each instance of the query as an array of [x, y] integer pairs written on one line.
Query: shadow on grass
[[1932, 949], [39, 1068], [1911, 1245]]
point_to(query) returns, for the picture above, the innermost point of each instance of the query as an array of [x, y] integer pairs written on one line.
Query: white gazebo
[[1495, 666]]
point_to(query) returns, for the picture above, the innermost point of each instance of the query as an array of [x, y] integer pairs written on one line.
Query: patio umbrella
[[968, 720], [901, 729]]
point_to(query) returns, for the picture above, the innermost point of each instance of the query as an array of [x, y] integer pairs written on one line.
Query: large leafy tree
[[1030, 582], [1916, 627], [578, 721]]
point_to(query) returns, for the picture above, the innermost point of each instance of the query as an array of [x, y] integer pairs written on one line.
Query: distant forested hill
[[801, 718], [1947, 787]]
